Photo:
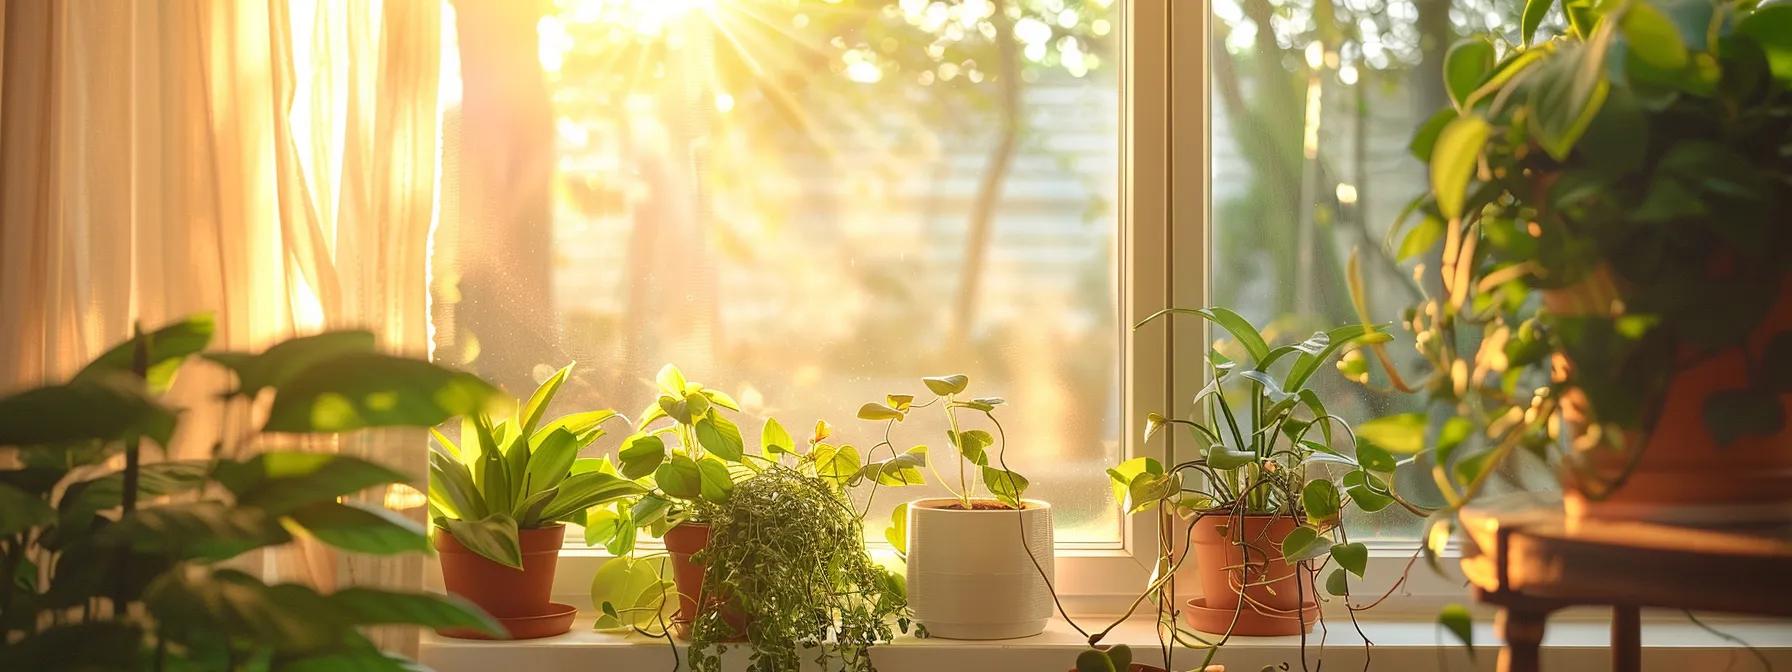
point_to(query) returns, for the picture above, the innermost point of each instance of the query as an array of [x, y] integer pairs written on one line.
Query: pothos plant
[[520, 474], [786, 545], [1612, 198], [132, 568], [1264, 445]]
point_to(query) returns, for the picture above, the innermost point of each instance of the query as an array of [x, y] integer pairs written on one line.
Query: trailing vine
[[787, 550]]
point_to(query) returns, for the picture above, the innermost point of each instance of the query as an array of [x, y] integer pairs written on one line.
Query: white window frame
[[1165, 229]]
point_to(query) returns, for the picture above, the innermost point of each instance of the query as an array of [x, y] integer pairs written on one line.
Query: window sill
[[1571, 644]]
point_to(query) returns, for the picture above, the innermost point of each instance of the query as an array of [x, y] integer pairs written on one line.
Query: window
[[804, 204]]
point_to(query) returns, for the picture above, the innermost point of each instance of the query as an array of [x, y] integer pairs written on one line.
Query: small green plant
[[789, 550], [101, 578], [972, 446], [1265, 445], [520, 474]]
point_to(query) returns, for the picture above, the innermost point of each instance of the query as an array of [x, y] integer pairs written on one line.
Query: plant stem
[[132, 468], [964, 484]]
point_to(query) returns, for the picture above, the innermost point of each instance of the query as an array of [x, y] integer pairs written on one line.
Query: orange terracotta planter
[[520, 599], [1247, 587], [1683, 475], [682, 542]]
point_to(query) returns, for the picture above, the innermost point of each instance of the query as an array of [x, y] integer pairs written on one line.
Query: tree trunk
[[995, 175]]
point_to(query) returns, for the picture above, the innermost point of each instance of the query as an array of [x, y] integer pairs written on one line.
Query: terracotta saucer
[[556, 621], [1250, 623]]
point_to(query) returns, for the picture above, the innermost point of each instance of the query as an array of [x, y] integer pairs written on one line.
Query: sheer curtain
[[272, 162]]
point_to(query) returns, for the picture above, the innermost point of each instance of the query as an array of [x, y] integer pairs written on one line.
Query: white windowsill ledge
[[1413, 645]]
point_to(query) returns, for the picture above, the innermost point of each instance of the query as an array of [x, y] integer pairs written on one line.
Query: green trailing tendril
[[788, 551]]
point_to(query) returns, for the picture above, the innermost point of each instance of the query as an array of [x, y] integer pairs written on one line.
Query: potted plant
[[132, 569], [775, 555], [500, 500], [978, 567], [1610, 206], [1261, 500]]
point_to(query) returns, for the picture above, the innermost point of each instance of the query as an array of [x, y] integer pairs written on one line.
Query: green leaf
[[1470, 468], [493, 537], [84, 410], [1337, 583], [1120, 477], [722, 399], [1227, 458], [583, 491], [21, 511], [1320, 500], [946, 385], [1093, 660], [1147, 488], [897, 532], [1452, 434], [973, 445], [1353, 556], [714, 483], [544, 394], [281, 363], [196, 530], [1567, 93], [1403, 433], [229, 603], [1453, 162], [1337, 339], [1366, 491], [156, 479], [837, 464], [1455, 618], [280, 481], [1421, 238], [1007, 486], [551, 462], [583, 425], [773, 440], [1652, 37], [1771, 28], [1733, 414], [901, 470], [613, 526], [451, 489], [633, 584], [516, 469], [371, 606], [168, 349], [1426, 138], [721, 437], [1465, 66], [641, 454], [671, 380], [1304, 543], [1534, 11], [875, 411], [1232, 322], [361, 529], [372, 390], [1121, 654], [680, 477], [1374, 458], [1414, 483]]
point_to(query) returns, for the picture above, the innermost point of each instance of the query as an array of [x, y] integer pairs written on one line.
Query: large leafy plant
[[1264, 445], [519, 473], [1613, 199], [99, 577]]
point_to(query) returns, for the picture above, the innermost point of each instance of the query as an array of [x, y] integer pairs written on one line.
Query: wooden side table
[[1525, 556]]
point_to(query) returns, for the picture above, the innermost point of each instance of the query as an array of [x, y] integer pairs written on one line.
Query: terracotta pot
[[971, 574], [1683, 476], [682, 542], [1239, 564], [504, 592]]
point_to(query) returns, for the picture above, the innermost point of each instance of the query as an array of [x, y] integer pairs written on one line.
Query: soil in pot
[[683, 541], [1682, 475], [1239, 564], [505, 592]]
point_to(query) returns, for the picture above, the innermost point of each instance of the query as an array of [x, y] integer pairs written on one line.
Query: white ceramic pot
[[969, 575]]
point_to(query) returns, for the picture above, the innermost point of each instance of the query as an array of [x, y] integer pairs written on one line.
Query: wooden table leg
[[1522, 629], [1627, 640]]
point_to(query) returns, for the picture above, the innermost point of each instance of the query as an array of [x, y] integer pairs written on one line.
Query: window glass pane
[[1313, 105], [804, 203]]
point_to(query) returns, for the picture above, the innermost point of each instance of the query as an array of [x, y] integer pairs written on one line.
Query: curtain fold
[[269, 161]]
